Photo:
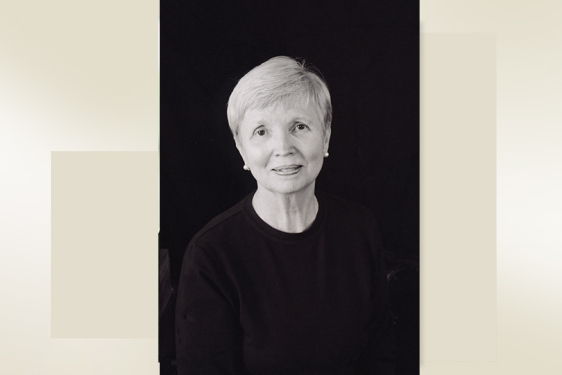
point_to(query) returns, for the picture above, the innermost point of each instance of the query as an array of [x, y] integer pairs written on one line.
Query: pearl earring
[[326, 154], [246, 168]]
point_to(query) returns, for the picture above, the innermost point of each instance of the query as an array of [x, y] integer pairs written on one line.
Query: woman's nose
[[283, 145]]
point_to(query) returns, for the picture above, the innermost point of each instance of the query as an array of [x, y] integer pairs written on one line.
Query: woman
[[290, 280]]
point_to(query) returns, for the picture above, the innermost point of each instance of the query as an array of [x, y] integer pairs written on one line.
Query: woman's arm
[[208, 334], [379, 356]]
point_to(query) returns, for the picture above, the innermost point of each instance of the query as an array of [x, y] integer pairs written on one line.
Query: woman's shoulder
[[228, 221], [350, 219]]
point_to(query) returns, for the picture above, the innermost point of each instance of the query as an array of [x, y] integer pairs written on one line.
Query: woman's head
[[280, 116], [279, 80]]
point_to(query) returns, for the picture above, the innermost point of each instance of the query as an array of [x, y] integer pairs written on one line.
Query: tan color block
[[104, 236], [458, 197]]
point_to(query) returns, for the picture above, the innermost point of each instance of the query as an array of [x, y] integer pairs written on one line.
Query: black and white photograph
[[289, 187]]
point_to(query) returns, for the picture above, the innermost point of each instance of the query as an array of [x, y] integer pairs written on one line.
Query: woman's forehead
[[295, 102], [291, 108]]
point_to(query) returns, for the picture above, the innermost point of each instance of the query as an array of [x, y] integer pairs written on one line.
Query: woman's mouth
[[287, 170]]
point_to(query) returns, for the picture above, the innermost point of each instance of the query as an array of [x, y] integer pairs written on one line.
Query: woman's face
[[283, 146]]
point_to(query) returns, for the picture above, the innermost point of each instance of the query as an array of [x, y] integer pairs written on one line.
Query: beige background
[[104, 215], [78, 76], [458, 197]]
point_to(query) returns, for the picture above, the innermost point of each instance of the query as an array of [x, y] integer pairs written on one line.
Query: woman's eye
[[301, 126], [260, 132]]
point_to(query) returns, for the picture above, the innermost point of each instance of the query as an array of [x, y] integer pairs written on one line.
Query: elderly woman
[[290, 280]]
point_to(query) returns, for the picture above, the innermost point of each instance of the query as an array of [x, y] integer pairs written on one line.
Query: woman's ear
[[240, 148], [327, 135]]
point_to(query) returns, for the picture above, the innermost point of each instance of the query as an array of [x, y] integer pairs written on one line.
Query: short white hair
[[280, 79]]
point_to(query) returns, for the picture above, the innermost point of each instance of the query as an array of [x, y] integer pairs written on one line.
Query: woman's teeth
[[288, 169]]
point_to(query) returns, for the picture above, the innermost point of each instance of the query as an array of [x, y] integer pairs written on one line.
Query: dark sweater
[[255, 300]]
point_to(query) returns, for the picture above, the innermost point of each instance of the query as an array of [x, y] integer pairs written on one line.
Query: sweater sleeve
[[379, 356], [208, 333]]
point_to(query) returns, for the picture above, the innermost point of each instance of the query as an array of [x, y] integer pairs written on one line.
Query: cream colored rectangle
[[104, 244], [458, 197]]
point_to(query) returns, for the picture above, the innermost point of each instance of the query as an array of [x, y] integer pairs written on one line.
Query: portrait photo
[[289, 187]]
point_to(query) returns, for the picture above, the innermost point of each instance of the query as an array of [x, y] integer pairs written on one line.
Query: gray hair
[[278, 80]]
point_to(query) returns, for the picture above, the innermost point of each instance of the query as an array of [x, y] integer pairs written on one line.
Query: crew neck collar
[[285, 236]]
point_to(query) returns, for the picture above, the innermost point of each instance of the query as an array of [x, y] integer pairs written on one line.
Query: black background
[[368, 53]]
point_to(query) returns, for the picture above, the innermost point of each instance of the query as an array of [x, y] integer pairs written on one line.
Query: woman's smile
[[287, 170]]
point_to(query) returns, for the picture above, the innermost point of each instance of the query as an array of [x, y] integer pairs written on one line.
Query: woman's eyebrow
[[259, 121], [302, 118]]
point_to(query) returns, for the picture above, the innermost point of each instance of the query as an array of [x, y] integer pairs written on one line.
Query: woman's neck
[[290, 213]]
